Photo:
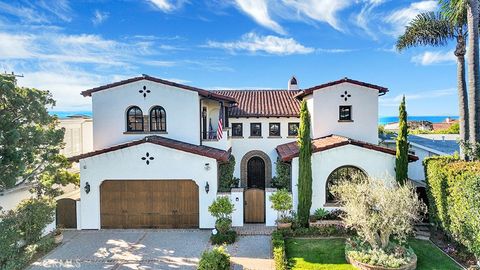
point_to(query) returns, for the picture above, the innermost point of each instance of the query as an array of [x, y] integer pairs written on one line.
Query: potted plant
[[282, 202], [58, 235]]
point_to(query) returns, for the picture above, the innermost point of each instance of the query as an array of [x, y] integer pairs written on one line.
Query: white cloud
[[270, 44], [99, 17], [434, 57], [323, 50], [319, 10], [401, 17], [168, 5], [15, 46], [366, 15], [38, 11], [258, 10]]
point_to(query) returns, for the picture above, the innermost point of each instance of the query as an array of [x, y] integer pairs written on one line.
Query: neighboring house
[[158, 145], [423, 146]]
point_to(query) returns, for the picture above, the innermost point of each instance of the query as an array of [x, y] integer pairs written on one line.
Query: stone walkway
[[254, 229], [149, 249]]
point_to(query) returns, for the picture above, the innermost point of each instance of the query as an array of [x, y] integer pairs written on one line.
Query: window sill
[[292, 137], [345, 121], [255, 137], [144, 132], [236, 137], [274, 137]]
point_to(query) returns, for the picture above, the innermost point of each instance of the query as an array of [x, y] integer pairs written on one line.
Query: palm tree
[[455, 11], [434, 29]]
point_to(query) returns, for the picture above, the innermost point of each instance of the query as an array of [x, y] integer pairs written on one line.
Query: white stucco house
[[157, 146]]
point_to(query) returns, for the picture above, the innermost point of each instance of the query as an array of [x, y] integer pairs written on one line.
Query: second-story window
[[158, 119], [345, 113], [134, 119], [237, 129], [293, 129], [274, 130], [255, 129]]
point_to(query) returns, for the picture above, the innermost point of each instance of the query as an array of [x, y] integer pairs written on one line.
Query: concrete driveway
[[149, 249]]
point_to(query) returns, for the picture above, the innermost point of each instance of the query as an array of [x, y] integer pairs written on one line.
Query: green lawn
[[329, 254]]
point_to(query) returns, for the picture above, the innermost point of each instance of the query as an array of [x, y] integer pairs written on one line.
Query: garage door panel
[[149, 204]]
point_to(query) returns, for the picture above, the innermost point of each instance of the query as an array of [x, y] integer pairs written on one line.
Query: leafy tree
[[379, 209], [434, 29], [281, 202], [401, 161], [227, 181], [30, 140], [283, 178], [305, 166]]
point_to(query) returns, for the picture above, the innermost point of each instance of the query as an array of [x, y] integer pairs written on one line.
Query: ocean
[[381, 120]]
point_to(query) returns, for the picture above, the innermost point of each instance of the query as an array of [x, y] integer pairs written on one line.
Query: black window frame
[[159, 121], [270, 129], [251, 129], [340, 118], [233, 129], [289, 129], [137, 122]]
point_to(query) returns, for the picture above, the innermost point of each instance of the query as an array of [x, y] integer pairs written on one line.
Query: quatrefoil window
[[346, 95], [147, 158], [144, 91]]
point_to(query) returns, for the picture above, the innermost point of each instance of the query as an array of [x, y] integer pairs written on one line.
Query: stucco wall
[[364, 102], [78, 137], [126, 164], [376, 164], [416, 171], [109, 112], [241, 146]]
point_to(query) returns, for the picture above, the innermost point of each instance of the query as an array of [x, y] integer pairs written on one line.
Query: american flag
[[220, 123]]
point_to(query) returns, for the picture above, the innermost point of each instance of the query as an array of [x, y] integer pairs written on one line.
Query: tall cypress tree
[[305, 167], [401, 163]]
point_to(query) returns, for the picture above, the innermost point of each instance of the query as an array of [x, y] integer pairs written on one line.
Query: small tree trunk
[[462, 93], [473, 62]]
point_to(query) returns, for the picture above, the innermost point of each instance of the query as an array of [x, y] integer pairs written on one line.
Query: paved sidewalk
[[252, 252]]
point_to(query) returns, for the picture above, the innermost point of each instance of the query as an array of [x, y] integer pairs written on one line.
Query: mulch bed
[[455, 250]]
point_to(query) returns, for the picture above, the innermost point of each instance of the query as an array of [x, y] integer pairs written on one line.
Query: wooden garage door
[[149, 204]]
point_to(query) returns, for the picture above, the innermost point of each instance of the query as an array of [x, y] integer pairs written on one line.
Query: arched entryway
[[256, 175]]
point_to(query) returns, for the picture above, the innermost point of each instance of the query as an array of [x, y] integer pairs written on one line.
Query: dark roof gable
[[201, 92], [220, 155]]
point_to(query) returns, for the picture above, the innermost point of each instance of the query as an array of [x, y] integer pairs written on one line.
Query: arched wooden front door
[[255, 192], [256, 173]]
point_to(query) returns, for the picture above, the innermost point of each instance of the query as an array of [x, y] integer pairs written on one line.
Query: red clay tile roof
[[201, 92], [308, 91], [263, 103], [288, 151], [220, 155]]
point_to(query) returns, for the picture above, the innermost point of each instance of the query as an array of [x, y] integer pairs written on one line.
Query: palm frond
[[427, 29]]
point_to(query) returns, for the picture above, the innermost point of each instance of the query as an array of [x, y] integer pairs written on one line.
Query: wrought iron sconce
[[207, 187], [87, 187], [207, 166]]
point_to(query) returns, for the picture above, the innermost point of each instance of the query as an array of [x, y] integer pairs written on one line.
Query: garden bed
[[453, 249]]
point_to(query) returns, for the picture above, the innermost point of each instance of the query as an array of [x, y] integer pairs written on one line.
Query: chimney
[[293, 84]]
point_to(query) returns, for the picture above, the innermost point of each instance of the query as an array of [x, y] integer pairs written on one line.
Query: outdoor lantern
[[207, 187], [207, 166], [87, 188]]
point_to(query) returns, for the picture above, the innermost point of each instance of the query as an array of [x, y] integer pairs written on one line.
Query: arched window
[[158, 119], [344, 173], [134, 119]]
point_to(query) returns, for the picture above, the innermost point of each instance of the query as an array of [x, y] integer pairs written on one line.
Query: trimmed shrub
[[278, 245], [228, 237], [223, 225], [33, 215], [226, 179], [222, 207], [215, 259], [453, 190], [282, 202]]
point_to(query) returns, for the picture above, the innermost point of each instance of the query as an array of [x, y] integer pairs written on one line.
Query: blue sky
[[67, 47]]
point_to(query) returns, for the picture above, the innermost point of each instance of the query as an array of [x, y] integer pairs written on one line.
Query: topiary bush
[[453, 190], [223, 225], [283, 203], [215, 259], [282, 178]]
